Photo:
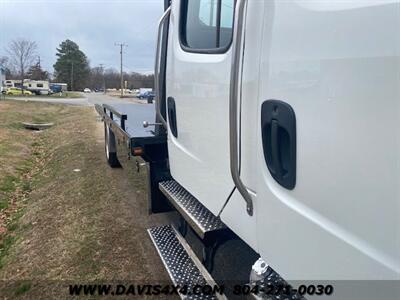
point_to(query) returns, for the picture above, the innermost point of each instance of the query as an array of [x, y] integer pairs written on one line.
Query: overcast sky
[[95, 25]]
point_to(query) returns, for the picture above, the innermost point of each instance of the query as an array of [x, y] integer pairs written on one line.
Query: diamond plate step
[[196, 214], [182, 264]]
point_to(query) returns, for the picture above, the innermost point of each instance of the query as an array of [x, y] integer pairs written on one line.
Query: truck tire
[[109, 147]]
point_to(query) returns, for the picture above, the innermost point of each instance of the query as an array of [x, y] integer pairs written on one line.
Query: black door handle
[[275, 151], [278, 126]]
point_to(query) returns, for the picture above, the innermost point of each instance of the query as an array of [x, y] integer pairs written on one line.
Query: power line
[[104, 79], [72, 75], [121, 45]]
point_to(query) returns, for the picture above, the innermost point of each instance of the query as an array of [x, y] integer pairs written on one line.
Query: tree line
[[72, 67]]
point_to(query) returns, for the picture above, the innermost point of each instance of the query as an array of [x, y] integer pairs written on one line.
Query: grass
[[63, 95], [30, 161], [61, 225], [9, 183], [23, 288], [66, 95], [7, 186], [5, 246], [21, 153], [3, 204]]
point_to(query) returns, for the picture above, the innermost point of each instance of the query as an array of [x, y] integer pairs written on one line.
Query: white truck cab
[[317, 105]]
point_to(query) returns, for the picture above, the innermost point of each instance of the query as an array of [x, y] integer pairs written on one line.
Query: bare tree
[[22, 54], [3, 61]]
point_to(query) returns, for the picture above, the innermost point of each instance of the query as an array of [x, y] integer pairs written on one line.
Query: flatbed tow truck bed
[[126, 122], [136, 115]]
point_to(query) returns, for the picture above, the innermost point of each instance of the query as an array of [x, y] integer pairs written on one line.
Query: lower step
[[183, 266]]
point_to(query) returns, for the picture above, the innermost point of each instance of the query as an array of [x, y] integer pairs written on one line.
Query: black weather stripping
[[172, 116]]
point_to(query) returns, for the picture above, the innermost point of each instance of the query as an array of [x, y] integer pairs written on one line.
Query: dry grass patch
[[21, 153], [70, 227]]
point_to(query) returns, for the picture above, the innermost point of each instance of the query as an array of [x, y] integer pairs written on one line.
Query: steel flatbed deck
[[136, 115], [126, 121]]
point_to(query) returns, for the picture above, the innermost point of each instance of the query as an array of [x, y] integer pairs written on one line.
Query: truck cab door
[[328, 141], [197, 88]]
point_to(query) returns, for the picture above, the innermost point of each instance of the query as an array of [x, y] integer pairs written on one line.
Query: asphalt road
[[86, 100]]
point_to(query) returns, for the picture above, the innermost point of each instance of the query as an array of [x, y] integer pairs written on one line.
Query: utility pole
[[121, 45], [104, 79], [72, 76]]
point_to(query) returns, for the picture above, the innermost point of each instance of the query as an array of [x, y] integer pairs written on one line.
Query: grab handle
[[233, 105]]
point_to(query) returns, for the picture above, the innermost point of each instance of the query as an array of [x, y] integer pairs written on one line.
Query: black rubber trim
[[172, 116]]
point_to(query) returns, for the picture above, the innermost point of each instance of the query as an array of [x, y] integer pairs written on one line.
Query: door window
[[207, 25], [207, 12]]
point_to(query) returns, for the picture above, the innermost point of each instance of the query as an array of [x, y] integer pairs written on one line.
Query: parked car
[[17, 91], [87, 90], [150, 96], [143, 92], [144, 95], [55, 88]]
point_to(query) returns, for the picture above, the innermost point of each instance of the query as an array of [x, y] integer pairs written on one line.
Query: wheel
[[109, 147]]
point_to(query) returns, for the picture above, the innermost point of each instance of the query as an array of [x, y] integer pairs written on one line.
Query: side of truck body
[[342, 82], [282, 120]]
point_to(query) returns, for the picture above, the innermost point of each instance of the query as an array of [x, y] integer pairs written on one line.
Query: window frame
[[182, 24]]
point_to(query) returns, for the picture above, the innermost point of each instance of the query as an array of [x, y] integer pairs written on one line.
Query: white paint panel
[[339, 70], [236, 218]]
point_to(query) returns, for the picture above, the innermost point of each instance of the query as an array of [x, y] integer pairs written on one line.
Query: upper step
[[196, 214]]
